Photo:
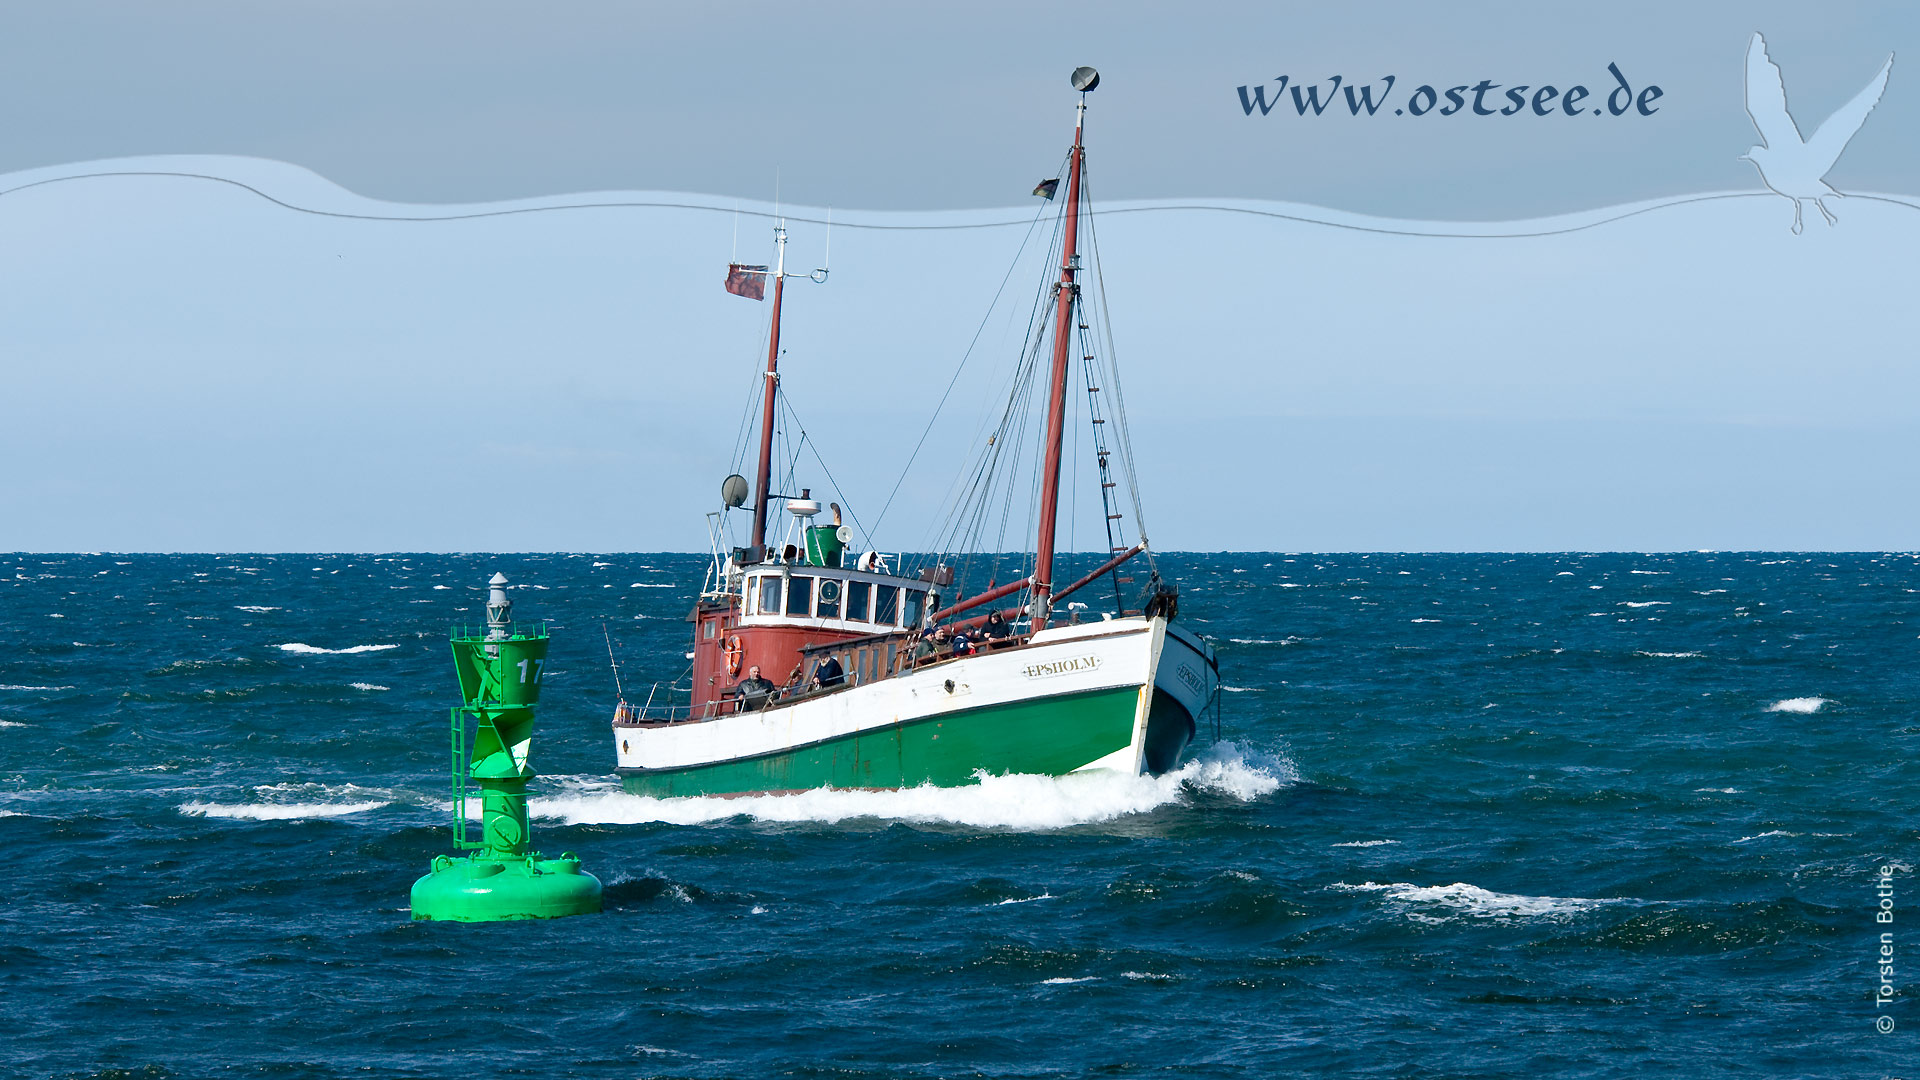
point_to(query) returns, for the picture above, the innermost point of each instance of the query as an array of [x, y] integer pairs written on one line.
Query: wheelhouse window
[[859, 600], [829, 603], [886, 604], [916, 605], [800, 595], [770, 594]]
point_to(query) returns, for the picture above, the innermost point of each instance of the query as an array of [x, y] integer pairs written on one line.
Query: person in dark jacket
[[997, 628], [754, 690], [828, 674]]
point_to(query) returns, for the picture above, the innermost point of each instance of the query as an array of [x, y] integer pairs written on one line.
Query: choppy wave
[[290, 801], [10, 686], [1798, 705], [11, 723], [276, 811], [306, 650], [1439, 903], [368, 686], [1024, 803]]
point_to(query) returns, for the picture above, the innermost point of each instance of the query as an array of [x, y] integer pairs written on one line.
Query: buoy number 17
[[536, 671]]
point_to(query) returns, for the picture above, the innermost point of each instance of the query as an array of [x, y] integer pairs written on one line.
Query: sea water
[[1462, 815]]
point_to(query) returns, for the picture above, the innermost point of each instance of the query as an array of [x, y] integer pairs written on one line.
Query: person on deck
[[795, 680], [923, 648], [754, 690], [997, 628], [828, 674], [962, 644]]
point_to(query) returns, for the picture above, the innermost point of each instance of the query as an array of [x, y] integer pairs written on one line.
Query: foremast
[[764, 494]]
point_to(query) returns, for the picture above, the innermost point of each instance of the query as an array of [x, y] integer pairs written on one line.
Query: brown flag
[[747, 281]]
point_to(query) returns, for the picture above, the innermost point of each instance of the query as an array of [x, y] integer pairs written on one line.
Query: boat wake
[[1023, 803]]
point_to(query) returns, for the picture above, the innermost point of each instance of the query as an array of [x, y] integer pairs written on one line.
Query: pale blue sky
[[189, 367]]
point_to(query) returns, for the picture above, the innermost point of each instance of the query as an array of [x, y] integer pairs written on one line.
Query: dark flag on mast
[[1044, 188], [747, 281]]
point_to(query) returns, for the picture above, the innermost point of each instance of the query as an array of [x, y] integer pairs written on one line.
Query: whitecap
[[1020, 801], [257, 609], [1149, 976], [11, 723], [440, 587], [1461, 900], [311, 650], [1264, 641], [1365, 843], [645, 585], [276, 811], [1243, 690], [11, 686], [368, 686], [1649, 571], [1644, 603], [1062, 981], [1718, 790], [1764, 835], [1801, 705], [1426, 620], [1024, 899], [1668, 655]]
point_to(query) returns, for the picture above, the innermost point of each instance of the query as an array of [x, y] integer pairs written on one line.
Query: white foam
[[309, 650], [257, 609], [1242, 689], [1764, 835], [10, 686], [1366, 843], [1668, 655], [1438, 903], [1801, 705], [1024, 899], [1649, 571], [11, 723], [1718, 790], [645, 585], [1264, 641], [1062, 981], [368, 686], [1019, 802], [1426, 620], [1150, 976], [276, 811], [438, 588], [1644, 603]]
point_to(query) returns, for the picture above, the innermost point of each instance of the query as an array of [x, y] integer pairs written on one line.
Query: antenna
[[621, 694]]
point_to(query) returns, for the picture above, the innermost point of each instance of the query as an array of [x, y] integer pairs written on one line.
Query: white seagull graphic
[[1790, 165]]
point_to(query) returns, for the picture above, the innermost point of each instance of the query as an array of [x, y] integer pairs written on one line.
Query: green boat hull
[[1053, 736]]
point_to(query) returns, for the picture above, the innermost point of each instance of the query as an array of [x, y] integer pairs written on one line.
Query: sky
[[1382, 366]]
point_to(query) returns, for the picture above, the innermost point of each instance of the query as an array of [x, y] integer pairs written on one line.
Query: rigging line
[[1111, 354], [984, 319], [1028, 355], [639, 204]]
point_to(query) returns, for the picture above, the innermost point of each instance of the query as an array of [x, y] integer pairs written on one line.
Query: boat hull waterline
[[1122, 694]]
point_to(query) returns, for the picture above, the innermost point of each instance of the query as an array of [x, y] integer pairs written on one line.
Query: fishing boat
[[890, 673]]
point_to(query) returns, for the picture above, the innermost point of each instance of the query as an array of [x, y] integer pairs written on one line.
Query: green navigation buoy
[[499, 878]]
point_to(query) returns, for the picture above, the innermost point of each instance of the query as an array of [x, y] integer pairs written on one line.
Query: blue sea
[[1463, 816]]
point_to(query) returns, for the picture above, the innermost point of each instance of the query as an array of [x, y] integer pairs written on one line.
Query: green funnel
[[499, 877]]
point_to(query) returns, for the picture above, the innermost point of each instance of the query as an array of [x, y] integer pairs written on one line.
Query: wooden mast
[[1066, 293], [771, 389]]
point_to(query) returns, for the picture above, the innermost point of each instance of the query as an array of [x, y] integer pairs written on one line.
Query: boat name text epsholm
[[1050, 668]]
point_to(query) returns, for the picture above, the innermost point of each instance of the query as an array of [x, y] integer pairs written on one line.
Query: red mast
[[772, 387], [1066, 294]]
